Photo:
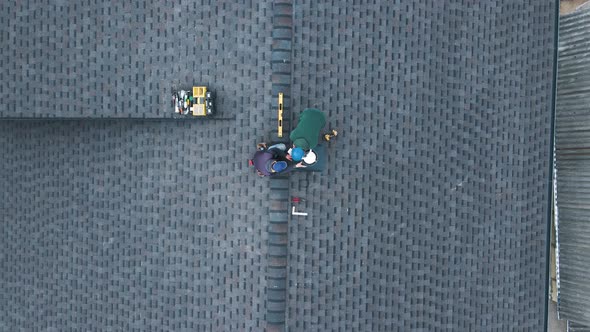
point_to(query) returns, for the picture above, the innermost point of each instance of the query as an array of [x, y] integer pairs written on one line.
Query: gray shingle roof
[[432, 213]]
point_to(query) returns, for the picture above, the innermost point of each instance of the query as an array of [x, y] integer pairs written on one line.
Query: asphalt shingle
[[130, 226], [98, 59], [432, 214]]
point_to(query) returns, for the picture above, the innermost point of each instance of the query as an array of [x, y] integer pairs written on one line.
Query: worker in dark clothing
[[273, 160], [307, 133]]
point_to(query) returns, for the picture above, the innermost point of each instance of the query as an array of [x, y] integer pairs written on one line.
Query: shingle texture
[[432, 214], [124, 58], [130, 226]]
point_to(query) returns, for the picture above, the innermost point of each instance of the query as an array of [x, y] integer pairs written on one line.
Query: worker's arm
[[279, 154], [290, 166]]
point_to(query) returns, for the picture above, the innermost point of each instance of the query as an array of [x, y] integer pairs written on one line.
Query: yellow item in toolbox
[[199, 108]]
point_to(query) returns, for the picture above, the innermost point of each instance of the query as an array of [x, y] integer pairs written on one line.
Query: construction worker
[[307, 133], [273, 160]]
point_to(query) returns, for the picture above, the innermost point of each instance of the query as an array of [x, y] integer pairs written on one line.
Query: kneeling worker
[[307, 133], [273, 160]]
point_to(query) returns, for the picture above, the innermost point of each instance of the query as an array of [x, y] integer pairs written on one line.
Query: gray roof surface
[[130, 226], [432, 213], [124, 58]]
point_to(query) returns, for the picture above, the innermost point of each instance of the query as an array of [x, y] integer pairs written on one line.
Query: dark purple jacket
[[263, 159]]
